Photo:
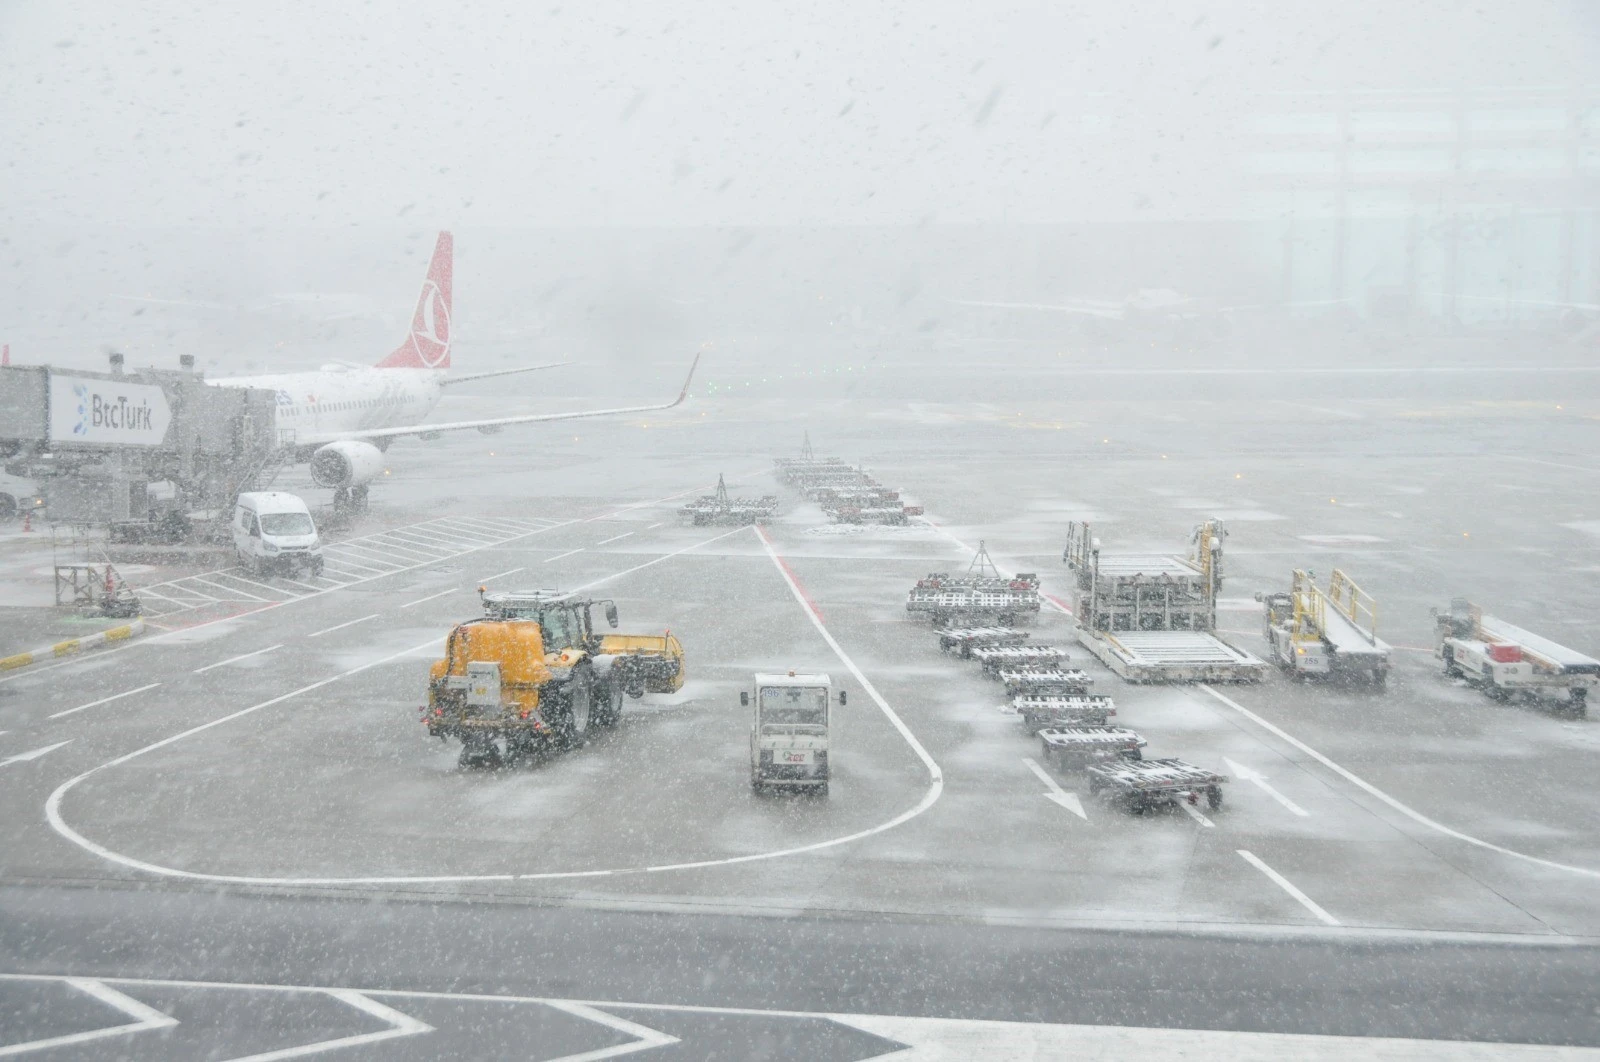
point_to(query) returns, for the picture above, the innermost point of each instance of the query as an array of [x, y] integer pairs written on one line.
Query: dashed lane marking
[[501, 575], [1404, 809], [613, 538], [105, 700], [33, 754], [341, 626], [1197, 815], [236, 659], [430, 597], [1288, 886], [568, 553]]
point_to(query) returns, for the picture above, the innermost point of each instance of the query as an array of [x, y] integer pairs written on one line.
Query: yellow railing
[[1354, 603]]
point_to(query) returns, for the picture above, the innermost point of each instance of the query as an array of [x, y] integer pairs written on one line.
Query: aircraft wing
[[448, 380], [1112, 311], [527, 418]]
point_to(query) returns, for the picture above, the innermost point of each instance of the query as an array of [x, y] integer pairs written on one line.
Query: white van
[[273, 531]]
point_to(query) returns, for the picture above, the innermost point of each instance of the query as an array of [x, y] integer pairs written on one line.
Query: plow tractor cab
[[790, 725], [534, 672]]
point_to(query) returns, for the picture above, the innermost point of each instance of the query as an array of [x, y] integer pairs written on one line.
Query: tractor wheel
[[608, 707], [573, 710], [1214, 797]]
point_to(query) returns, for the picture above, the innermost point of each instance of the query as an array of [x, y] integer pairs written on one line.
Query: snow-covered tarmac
[[273, 735]]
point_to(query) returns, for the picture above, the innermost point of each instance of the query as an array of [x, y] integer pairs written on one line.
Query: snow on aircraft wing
[[526, 418], [448, 380]]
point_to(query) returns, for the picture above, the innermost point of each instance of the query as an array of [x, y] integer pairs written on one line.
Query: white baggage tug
[[789, 726]]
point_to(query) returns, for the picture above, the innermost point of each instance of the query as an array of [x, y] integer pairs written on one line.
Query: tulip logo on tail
[[428, 345], [82, 394]]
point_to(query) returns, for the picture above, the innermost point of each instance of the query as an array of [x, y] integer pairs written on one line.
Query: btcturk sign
[[87, 410]]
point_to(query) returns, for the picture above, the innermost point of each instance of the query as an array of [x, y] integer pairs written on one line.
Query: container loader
[[1504, 660], [533, 674]]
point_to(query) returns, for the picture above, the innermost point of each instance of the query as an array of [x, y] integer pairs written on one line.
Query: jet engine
[[345, 464]]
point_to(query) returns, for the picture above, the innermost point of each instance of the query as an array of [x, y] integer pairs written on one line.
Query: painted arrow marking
[[1067, 800], [1259, 780], [144, 1017], [34, 754]]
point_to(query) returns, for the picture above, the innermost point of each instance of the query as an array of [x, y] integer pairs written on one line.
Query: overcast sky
[[694, 113]]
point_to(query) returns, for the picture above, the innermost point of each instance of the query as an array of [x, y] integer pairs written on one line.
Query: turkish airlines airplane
[[341, 419]]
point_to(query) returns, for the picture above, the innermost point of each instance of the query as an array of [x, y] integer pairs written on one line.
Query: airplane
[[340, 419]]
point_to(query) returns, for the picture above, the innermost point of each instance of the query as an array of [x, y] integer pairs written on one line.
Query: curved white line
[[1404, 809], [52, 807]]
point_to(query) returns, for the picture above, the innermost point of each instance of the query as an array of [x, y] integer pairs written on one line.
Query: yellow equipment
[[533, 673]]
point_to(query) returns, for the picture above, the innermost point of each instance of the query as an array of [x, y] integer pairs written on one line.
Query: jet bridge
[[95, 442]]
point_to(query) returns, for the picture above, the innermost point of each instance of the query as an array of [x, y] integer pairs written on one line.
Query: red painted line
[[1058, 603], [812, 605]]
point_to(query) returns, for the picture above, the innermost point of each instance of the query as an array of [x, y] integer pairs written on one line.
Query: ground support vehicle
[[1151, 617], [995, 657], [533, 674], [1505, 661], [720, 509], [1044, 680], [790, 725], [1043, 711], [1144, 784], [792, 469], [1079, 746], [963, 640], [978, 594], [274, 532], [1311, 631]]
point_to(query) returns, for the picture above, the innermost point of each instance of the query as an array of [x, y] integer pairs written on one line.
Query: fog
[[630, 184]]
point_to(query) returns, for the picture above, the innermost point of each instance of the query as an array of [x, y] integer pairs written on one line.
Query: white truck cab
[[789, 728], [273, 531]]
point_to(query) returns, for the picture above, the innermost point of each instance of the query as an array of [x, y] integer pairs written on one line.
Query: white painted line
[[496, 575], [1259, 781], [144, 1018], [1288, 886], [945, 1038], [178, 585], [613, 538], [236, 659], [53, 815], [1067, 800], [430, 597], [341, 626], [33, 754], [647, 1037], [237, 593], [568, 553], [652, 527], [105, 700], [1196, 814], [1406, 810]]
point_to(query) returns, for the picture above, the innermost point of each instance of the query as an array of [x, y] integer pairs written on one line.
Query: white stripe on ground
[[105, 700], [613, 538], [430, 597], [497, 575], [568, 553], [57, 820], [341, 626], [236, 659], [1288, 886], [1196, 814], [1404, 809]]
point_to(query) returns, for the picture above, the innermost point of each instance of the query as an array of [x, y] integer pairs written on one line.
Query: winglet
[[683, 394]]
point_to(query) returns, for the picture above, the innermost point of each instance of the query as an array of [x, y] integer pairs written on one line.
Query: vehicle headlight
[[270, 547]]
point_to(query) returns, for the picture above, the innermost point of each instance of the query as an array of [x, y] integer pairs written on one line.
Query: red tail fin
[[428, 345]]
